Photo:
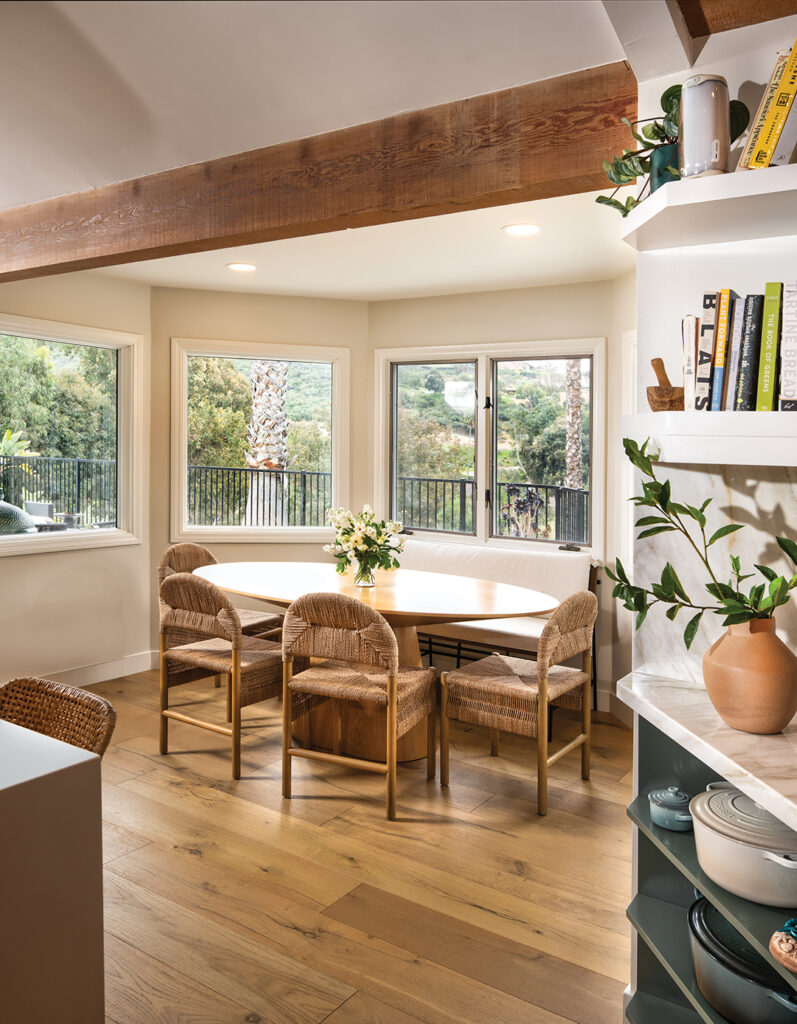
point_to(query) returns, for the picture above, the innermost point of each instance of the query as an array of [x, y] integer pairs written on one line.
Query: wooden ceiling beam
[[530, 142], [705, 17]]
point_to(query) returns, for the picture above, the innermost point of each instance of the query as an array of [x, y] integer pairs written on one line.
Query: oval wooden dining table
[[407, 598]]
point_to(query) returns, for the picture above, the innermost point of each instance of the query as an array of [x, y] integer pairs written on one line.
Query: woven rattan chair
[[186, 558], [360, 663], [66, 713], [514, 695], [252, 665]]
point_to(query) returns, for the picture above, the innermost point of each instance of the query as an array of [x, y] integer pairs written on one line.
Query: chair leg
[[337, 728], [542, 758], [228, 679], [444, 740], [164, 703], [286, 730], [431, 744], [586, 718], [494, 735], [235, 687], [217, 681], [391, 748]]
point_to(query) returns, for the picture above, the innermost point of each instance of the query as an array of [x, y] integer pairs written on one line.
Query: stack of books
[[773, 132], [741, 352]]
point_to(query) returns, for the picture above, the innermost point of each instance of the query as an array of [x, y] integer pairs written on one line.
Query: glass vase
[[363, 574]]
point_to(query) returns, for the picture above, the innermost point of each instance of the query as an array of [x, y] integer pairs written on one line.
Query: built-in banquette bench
[[555, 572]]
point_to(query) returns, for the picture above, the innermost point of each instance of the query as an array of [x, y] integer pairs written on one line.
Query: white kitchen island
[[680, 740], [51, 937]]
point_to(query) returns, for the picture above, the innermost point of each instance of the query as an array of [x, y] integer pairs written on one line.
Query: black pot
[[733, 978]]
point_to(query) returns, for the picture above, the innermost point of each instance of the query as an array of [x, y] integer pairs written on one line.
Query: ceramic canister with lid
[[669, 808], [744, 848]]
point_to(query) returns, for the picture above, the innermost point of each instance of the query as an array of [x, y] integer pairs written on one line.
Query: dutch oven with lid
[[733, 978], [744, 848]]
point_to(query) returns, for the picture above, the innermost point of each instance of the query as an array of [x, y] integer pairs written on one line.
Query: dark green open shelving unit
[[667, 875]]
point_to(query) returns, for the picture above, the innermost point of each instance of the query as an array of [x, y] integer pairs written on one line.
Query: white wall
[[71, 609]]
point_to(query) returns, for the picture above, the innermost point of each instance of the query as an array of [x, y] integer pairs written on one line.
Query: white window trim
[[131, 437], [182, 348], [559, 349]]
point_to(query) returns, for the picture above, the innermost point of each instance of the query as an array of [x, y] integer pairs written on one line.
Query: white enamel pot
[[744, 848]]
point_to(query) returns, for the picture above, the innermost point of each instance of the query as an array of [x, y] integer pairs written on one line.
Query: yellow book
[[778, 113], [763, 108]]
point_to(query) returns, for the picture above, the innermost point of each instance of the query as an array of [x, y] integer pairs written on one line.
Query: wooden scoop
[[665, 397]]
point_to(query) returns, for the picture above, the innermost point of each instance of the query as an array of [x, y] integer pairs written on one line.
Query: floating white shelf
[[717, 438], [720, 208]]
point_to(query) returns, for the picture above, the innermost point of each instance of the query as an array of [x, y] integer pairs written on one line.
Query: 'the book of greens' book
[[768, 360]]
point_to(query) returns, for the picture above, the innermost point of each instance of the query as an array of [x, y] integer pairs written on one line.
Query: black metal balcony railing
[[225, 496], [543, 510], [220, 496], [80, 488]]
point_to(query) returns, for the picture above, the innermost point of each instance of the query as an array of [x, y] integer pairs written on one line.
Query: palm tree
[[573, 407], [268, 443]]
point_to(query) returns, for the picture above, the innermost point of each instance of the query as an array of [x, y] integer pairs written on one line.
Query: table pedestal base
[[362, 727]]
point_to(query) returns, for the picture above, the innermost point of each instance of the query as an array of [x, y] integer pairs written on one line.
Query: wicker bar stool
[[360, 663], [514, 695], [63, 712], [252, 665]]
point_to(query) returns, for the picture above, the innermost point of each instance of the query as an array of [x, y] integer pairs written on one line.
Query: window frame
[[131, 434], [484, 354], [394, 437], [181, 350]]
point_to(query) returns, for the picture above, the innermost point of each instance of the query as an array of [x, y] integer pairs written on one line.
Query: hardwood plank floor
[[225, 903]]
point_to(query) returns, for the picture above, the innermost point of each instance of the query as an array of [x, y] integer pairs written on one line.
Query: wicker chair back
[[194, 606], [339, 628]]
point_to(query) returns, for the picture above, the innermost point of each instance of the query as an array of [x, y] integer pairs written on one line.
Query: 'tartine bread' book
[[747, 380], [788, 349], [722, 335], [735, 349], [705, 351], [768, 361]]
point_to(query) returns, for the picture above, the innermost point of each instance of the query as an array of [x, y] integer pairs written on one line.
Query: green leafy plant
[[656, 133], [12, 446], [668, 516]]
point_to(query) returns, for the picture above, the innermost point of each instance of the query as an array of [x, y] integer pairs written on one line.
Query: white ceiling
[[96, 91], [460, 252]]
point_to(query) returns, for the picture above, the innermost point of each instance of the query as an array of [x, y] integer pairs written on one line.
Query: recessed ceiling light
[[520, 229], [245, 268]]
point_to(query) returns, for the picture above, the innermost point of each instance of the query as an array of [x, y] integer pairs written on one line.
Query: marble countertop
[[764, 767]]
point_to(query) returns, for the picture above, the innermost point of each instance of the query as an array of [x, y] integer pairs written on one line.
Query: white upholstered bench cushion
[[559, 573]]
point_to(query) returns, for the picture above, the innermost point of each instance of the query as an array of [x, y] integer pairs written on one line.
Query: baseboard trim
[[88, 675]]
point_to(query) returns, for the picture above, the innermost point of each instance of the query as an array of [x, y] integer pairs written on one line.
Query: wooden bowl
[[665, 399]]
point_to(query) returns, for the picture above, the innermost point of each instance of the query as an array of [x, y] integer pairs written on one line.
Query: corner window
[[496, 442], [434, 446], [541, 449], [259, 451], [66, 451]]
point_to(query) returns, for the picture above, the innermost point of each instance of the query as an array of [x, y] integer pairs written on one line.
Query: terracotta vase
[[751, 678]]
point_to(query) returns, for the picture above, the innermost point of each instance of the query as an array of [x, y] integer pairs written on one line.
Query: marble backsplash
[[765, 500]]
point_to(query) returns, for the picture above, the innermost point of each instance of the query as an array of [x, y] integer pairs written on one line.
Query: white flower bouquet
[[364, 541]]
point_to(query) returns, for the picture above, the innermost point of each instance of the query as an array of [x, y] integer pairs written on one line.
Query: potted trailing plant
[[365, 542], [658, 157], [750, 674]]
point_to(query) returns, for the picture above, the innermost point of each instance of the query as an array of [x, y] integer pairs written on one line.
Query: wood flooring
[[225, 904]]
